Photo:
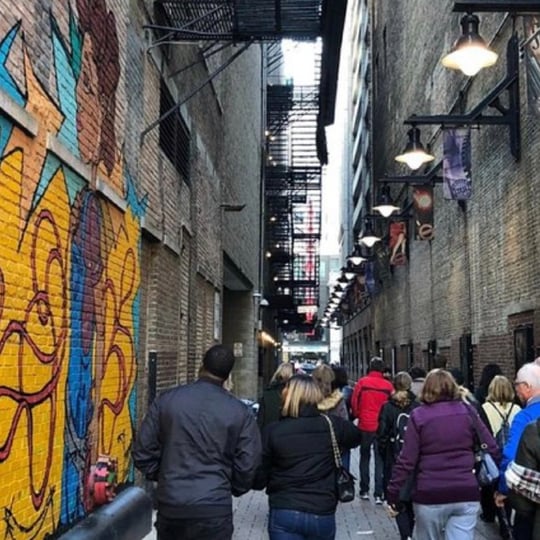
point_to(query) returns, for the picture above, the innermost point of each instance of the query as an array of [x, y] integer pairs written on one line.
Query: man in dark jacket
[[527, 507], [370, 394], [202, 445]]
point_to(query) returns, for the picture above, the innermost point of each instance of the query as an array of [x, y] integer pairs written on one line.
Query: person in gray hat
[[202, 446]]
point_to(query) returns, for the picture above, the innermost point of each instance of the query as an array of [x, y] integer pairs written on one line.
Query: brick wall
[[478, 275], [108, 255]]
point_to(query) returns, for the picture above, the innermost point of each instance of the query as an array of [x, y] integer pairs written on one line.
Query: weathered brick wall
[[107, 253], [480, 270]]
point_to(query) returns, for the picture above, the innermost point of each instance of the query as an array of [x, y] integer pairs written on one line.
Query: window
[[174, 136]]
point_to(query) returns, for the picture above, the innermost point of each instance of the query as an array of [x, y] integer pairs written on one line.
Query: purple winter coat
[[438, 448]]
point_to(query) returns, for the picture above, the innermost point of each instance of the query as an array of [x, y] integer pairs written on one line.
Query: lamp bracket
[[431, 177], [516, 6], [509, 116]]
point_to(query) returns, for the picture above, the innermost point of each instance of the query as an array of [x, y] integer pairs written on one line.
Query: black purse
[[344, 479]]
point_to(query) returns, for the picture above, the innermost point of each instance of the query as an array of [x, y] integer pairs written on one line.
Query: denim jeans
[[294, 525], [368, 440], [217, 528], [451, 521]]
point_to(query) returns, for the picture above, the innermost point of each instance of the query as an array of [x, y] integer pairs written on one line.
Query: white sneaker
[[364, 496], [378, 501]]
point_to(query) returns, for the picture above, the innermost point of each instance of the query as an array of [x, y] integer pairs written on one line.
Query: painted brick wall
[[107, 253]]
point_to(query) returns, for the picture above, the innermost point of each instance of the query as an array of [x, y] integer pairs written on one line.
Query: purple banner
[[457, 181], [531, 27]]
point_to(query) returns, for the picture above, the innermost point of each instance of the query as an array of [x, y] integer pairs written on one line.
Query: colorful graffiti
[[69, 279]]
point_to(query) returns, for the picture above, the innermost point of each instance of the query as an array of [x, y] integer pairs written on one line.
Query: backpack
[[398, 436], [502, 436]]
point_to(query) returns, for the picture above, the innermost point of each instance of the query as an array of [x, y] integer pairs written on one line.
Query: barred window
[[174, 136]]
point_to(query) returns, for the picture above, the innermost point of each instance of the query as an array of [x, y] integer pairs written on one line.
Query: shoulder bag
[[344, 479], [485, 468]]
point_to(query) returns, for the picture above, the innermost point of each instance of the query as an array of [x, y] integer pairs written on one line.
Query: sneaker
[[378, 501], [364, 496]]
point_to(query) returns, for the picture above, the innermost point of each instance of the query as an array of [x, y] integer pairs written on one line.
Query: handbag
[[344, 479], [485, 468]]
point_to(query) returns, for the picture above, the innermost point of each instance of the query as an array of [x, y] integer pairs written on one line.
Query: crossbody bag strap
[[477, 439], [504, 417], [335, 448]]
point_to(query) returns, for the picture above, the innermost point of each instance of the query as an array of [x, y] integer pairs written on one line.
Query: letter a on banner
[[457, 181], [423, 212]]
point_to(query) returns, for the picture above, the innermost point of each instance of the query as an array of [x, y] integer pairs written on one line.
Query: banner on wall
[[531, 28], [457, 181], [423, 212], [398, 243], [371, 281]]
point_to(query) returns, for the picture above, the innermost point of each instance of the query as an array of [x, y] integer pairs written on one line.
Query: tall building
[[467, 291]]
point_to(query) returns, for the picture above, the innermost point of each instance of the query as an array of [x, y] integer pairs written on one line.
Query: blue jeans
[[451, 521], [368, 440], [294, 525]]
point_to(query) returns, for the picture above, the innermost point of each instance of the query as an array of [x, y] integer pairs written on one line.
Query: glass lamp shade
[[370, 240], [386, 210], [414, 155], [357, 259], [385, 205], [470, 53]]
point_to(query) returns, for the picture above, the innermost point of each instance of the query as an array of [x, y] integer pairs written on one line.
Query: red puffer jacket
[[370, 394]]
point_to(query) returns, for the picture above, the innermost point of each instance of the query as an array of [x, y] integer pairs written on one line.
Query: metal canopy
[[243, 20], [515, 6]]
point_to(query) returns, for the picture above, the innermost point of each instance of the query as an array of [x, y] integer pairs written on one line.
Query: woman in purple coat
[[438, 452]]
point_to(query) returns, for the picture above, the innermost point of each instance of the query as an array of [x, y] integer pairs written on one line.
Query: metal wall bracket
[[509, 115], [430, 177]]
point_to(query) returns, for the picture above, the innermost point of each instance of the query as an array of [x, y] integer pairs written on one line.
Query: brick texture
[[108, 254], [478, 275]]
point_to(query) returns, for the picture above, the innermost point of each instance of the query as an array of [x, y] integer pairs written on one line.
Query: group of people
[[203, 446]]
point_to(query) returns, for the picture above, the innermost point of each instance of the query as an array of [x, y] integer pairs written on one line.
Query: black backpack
[[502, 436], [400, 427]]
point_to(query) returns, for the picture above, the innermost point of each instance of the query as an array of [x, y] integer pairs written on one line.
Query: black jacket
[[201, 444], [528, 455], [298, 467], [270, 405], [399, 402]]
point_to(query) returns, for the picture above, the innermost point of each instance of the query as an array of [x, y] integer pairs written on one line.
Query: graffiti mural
[[69, 278]]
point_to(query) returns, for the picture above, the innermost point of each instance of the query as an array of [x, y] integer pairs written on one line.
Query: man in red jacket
[[370, 394]]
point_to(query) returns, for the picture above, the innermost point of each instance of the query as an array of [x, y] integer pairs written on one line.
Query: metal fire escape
[[293, 201], [296, 118]]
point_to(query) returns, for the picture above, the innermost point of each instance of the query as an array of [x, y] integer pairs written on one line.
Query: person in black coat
[[202, 446], [488, 374], [528, 455], [270, 402], [298, 468], [394, 415]]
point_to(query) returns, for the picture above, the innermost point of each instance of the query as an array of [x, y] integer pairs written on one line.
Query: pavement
[[355, 520]]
